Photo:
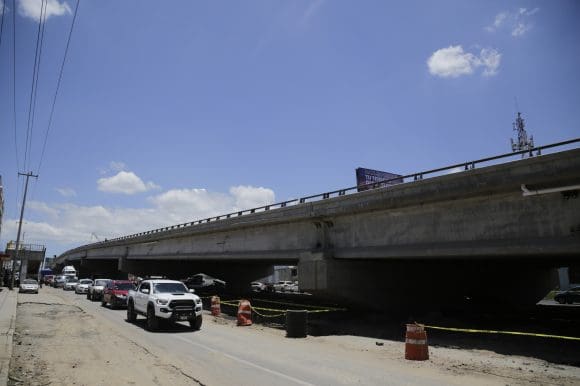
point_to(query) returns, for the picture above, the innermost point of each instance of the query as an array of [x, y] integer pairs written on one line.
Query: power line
[[58, 85], [14, 82], [2, 23], [35, 70]]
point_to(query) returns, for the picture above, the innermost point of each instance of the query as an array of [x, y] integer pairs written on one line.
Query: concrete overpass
[[492, 232]]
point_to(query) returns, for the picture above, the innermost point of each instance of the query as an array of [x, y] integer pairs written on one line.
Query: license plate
[[183, 317]]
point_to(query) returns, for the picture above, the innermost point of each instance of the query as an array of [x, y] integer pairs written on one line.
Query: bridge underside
[[494, 235], [430, 284], [403, 284]]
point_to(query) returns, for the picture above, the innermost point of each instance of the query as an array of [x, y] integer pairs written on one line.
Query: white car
[[70, 283], [258, 286], [83, 286], [29, 285], [95, 291], [292, 287], [282, 285]]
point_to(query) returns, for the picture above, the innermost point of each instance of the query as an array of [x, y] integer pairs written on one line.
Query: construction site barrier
[[416, 347], [296, 323], [470, 330], [215, 306], [244, 313]]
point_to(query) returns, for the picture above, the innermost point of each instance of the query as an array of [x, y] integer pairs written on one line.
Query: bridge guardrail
[[464, 166]]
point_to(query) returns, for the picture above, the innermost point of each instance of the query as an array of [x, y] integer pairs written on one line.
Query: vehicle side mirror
[[191, 291], [145, 290]]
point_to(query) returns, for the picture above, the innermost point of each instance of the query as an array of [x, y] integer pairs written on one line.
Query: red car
[[115, 293]]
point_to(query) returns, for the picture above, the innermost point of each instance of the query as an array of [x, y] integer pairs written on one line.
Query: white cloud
[[490, 60], [31, 8], [125, 183], [250, 197], [66, 192], [518, 22], [117, 166], [452, 62], [520, 29], [69, 225]]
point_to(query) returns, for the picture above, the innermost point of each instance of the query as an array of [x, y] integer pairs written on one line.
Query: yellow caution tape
[[301, 305], [470, 330], [268, 316]]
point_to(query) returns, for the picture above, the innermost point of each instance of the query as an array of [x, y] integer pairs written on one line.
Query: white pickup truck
[[164, 300]]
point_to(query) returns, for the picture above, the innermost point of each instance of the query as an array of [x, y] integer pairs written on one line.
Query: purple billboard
[[369, 176]]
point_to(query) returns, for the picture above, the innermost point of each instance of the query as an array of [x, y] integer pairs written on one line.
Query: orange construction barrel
[[244, 313], [416, 347], [215, 306]]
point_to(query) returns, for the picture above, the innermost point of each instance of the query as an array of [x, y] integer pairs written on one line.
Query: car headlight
[[162, 301], [198, 301]]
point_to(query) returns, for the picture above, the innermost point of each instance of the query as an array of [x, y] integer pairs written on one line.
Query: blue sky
[[174, 111]]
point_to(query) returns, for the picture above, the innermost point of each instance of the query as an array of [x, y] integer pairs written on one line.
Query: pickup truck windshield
[[174, 288]]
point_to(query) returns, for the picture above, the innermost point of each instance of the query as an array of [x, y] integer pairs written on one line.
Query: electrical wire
[[35, 69], [14, 83], [43, 22], [2, 22], [57, 87]]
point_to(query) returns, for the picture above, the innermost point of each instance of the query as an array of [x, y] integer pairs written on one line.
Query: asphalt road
[[223, 354]]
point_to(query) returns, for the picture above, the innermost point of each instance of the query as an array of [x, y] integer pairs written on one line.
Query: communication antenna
[[522, 143]]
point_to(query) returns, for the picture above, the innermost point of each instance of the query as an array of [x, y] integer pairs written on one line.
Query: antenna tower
[[522, 143]]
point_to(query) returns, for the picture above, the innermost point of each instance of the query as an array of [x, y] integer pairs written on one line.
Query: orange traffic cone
[[244, 313]]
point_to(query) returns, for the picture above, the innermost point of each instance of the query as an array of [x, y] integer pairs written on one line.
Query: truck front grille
[[178, 305]]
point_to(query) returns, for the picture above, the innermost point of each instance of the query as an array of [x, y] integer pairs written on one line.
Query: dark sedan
[[570, 296]]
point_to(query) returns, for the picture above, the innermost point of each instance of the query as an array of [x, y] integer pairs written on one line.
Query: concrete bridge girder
[[479, 216]]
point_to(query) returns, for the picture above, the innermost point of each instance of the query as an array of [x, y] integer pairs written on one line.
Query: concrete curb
[[8, 301]]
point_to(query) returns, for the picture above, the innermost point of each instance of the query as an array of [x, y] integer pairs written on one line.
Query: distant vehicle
[[292, 287], [570, 296], [258, 286], [282, 285], [205, 284], [95, 291], [115, 293], [83, 286], [69, 270], [28, 285], [59, 281], [70, 283], [164, 300], [48, 279]]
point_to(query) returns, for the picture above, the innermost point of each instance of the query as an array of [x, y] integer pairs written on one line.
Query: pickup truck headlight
[[198, 301], [162, 301]]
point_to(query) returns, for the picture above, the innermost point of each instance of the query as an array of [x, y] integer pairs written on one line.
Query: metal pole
[[16, 252]]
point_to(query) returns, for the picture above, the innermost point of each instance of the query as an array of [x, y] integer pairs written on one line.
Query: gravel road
[[62, 338]]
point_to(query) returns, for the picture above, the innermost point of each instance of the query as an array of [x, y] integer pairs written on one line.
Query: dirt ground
[[57, 342], [60, 344]]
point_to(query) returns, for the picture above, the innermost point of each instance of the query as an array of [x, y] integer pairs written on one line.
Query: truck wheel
[[195, 324], [131, 315], [152, 321]]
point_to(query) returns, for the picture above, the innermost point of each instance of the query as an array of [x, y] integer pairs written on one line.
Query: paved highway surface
[[223, 354]]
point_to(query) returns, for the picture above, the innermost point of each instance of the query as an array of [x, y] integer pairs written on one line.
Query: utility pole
[[17, 251]]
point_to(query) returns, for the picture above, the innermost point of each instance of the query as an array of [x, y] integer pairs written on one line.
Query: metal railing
[[464, 166], [11, 245]]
